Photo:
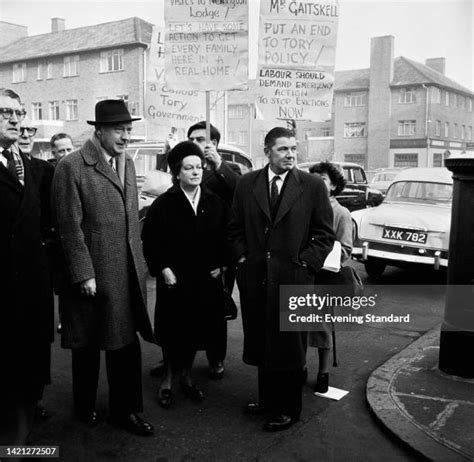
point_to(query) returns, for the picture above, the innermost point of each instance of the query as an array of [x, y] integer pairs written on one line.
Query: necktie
[[112, 164], [274, 195], [11, 167]]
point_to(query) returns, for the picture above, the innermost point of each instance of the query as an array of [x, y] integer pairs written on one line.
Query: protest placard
[[297, 47], [165, 107], [206, 44]]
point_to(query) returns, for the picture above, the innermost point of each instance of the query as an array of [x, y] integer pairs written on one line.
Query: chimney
[[57, 25], [438, 64], [380, 96]]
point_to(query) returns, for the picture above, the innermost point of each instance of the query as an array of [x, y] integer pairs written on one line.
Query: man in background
[[61, 145]]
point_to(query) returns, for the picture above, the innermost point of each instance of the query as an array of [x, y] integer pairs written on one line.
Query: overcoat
[[192, 245], [26, 307], [301, 231], [97, 222]]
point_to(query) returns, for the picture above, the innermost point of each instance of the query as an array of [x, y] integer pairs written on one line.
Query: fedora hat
[[110, 111]]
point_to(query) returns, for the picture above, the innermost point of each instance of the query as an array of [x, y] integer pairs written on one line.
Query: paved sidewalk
[[429, 410]]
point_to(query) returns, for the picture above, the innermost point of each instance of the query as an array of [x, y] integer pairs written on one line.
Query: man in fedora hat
[[104, 301]]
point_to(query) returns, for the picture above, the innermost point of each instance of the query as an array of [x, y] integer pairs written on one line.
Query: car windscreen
[[420, 192], [146, 159]]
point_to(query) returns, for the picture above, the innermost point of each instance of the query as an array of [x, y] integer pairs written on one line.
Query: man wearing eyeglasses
[[26, 327]]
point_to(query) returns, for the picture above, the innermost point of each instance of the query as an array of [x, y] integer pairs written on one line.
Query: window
[[462, 102], [19, 73], [49, 70], [405, 160], [242, 138], [407, 95], [237, 112], [469, 104], [231, 137], [438, 128], [455, 100], [463, 131], [71, 66], [435, 95], [446, 129], [437, 160], [406, 127], [469, 133], [71, 109], [354, 130], [446, 98], [455, 131], [53, 110], [37, 111], [40, 71], [111, 61], [355, 99], [325, 131]]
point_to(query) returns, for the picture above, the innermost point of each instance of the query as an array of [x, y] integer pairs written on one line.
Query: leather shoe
[[165, 397], [279, 422], [192, 391], [216, 371], [133, 423], [322, 383], [88, 417], [254, 408]]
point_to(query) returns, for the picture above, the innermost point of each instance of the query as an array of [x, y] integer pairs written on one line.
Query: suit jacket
[[97, 221], [301, 231], [26, 309]]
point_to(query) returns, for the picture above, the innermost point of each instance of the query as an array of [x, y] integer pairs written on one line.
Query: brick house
[[61, 75]]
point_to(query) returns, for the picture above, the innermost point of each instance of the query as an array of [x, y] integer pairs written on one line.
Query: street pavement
[[429, 410], [216, 429]]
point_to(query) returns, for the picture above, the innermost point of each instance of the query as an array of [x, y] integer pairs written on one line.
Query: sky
[[422, 29]]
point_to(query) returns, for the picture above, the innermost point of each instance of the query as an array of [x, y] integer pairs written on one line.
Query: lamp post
[[456, 354]]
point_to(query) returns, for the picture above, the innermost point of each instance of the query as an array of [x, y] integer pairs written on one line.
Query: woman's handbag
[[230, 308]]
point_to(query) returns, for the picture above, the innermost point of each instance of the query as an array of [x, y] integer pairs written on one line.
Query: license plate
[[397, 234]]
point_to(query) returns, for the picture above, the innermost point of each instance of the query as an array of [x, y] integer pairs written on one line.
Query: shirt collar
[[271, 175]]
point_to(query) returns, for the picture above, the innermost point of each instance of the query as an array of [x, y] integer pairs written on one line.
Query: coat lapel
[[292, 190], [30, 192], [260, 192], [9, 179], [93, 156]]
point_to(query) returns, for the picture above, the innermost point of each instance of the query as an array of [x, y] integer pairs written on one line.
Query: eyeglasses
[[31, 131], [8, 112]]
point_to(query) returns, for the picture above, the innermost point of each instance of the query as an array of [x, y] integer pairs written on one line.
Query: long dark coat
[[301, 231], [97, 221], [192, 246], [26, 308]]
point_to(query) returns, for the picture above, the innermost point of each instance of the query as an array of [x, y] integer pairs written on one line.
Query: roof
[[111, 34], [405, 72], [432, 175]]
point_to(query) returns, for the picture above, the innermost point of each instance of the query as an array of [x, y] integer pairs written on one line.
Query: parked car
[[357, 194], [151, 167], [383, 178], [411, 226]]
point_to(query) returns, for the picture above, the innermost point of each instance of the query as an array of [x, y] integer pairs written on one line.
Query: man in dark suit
[[26, 314], [280, 233], [221, 178], [104, 303]]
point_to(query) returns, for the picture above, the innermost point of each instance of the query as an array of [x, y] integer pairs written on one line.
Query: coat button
[[266, 231], [269, 255]]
